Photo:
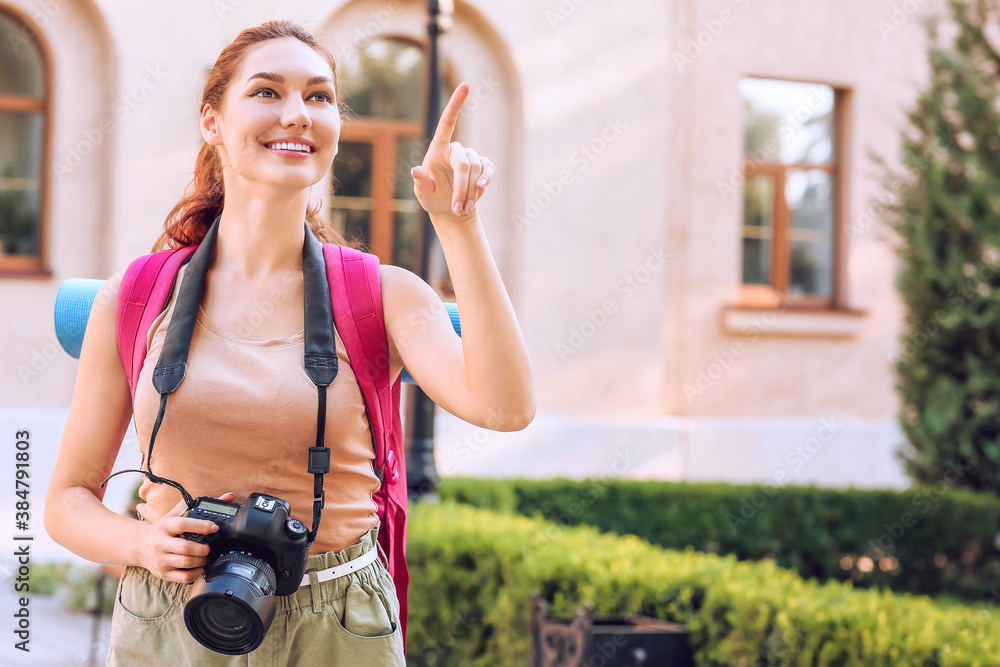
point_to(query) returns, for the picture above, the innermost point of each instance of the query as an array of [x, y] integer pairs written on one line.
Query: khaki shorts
[[352, 620]]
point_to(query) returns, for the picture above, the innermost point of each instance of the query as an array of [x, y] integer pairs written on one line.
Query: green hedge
[[473, 572], [943, 539]]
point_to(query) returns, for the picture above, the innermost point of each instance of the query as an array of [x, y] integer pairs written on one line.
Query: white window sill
[[792, 322]]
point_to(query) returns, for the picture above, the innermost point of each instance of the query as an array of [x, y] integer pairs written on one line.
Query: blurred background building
[[687, 210]]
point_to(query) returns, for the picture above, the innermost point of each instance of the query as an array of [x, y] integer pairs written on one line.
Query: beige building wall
[[35, 372], [606, 218], [646, 379], [793, 374]]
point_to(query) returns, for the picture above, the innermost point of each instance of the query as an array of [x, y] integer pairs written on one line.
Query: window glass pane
[[21, 146], [18, 221], [20, 153], [20, 60], [404, 240], [352, 169], [352, 203], [406, 215], [384, 79], [409, 153], [758, 213], [788, 122], [355, 225], [809, 195]]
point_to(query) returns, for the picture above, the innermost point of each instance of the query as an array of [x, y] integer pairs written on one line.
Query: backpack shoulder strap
[[356, 291], [142, 294]]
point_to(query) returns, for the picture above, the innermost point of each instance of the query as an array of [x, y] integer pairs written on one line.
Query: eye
[[324, 96]]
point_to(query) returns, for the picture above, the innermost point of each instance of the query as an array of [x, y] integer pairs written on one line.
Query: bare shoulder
[[402, 290], [105, 307], [416, 321]]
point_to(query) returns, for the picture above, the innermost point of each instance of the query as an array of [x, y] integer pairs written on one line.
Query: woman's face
[[282, 93]]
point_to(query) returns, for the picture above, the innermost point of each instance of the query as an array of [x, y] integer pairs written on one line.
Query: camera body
[[261, 527]]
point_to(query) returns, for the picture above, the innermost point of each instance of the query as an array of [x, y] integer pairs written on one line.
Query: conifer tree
[[948, 220]]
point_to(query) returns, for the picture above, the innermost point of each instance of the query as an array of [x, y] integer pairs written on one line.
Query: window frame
[[776, 293], [22, 266], [383, 135]]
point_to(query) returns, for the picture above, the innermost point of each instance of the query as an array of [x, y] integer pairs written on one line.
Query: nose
[[294, 113]]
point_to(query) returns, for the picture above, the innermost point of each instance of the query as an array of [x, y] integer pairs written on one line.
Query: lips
[[290, 144]]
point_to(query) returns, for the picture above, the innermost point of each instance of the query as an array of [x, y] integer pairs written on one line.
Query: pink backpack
[[356, 292]]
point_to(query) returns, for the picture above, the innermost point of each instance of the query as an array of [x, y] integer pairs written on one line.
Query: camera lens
[[224, 619], [231, 609]]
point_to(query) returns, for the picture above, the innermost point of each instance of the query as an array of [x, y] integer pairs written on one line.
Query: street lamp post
[[422, 475]]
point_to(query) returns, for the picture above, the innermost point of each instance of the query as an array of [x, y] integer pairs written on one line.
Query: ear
[[210, 127]]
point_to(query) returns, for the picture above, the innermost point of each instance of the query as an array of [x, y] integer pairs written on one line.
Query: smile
[[290, 148]]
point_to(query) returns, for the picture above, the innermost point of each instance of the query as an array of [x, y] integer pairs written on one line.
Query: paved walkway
[[58, 638]]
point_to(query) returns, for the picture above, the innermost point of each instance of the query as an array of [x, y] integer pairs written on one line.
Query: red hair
[[204, 197]]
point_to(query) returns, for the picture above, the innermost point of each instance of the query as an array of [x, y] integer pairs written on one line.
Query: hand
[[452, 178], [169, 556]]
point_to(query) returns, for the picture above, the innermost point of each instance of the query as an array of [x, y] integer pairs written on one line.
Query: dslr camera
[[258, 552]]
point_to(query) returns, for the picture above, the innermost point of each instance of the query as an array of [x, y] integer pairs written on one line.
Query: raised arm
[[484, 377]]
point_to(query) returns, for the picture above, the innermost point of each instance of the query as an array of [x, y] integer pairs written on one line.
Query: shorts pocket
[[364, 613], [141, 601]]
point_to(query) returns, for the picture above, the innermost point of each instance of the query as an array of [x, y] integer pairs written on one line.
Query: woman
[[271, 124]]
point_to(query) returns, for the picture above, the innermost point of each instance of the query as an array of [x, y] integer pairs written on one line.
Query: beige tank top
[[243, 420]]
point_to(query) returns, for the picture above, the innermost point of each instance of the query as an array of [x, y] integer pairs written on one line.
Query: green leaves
[[949, 224], [809, 529], [471, 581]]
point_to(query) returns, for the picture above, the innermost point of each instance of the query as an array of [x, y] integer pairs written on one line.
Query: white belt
[[331, 573]]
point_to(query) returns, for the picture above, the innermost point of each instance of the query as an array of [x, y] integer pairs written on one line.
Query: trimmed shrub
[[473, 573], [929, 541]]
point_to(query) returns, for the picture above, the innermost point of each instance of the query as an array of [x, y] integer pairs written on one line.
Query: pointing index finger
[[449, 117]]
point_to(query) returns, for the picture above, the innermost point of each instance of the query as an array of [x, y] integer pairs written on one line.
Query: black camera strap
[[320, 360], [320, 355]]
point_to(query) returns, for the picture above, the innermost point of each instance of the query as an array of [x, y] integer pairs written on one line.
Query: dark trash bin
[[586, 641]]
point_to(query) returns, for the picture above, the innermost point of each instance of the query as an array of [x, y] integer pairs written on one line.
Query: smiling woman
[[246, 93], [243, 390]]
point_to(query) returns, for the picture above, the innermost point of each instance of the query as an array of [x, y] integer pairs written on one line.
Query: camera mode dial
[[295, 529]]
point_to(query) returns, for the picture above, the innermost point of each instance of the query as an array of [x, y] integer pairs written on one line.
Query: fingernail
[[469, 205], [481, 183], [457, 208]]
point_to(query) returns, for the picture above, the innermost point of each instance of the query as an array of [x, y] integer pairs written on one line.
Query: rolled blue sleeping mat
[[76, 296], [73, 302]]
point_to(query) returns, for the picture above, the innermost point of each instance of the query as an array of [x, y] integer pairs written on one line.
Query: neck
[[260, 236]]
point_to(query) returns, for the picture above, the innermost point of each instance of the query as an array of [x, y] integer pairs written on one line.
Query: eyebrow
[[279, 78]]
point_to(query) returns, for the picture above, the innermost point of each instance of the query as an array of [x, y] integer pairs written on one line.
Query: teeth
[[291, 147]]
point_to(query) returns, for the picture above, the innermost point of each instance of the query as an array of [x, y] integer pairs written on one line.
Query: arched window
[[22, 133], [382, 85]]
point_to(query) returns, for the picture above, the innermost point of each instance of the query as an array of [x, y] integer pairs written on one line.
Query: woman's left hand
[[452, 178]]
